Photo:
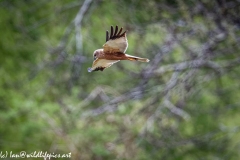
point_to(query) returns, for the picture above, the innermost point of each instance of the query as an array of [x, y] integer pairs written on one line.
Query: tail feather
[[134, 58]]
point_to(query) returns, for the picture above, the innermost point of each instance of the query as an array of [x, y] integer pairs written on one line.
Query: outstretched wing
[[116, 41], [101, 64]]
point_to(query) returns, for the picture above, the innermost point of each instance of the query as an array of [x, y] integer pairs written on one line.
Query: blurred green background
[[182, 105]]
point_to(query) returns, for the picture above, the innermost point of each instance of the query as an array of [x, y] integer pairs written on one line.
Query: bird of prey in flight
[[113, 51]]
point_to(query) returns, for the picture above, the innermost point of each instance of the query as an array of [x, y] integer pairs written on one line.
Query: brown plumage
[[113, 51]]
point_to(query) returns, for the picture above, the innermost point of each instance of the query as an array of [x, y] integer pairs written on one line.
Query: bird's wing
[[116, 41], [101, 64]]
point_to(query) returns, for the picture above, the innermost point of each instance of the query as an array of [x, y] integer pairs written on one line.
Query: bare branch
[[113, 104], [78, 21], [176, 110], [189, 65], [172, 82]]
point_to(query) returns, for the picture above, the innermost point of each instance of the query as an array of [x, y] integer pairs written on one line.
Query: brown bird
[[113, 51]]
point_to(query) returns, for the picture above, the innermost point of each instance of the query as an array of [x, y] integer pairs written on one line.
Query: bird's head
[[97, 53]]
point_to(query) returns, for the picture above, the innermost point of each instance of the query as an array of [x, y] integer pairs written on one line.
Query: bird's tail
[[134, 58]]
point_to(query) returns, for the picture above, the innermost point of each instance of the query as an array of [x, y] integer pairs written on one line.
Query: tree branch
[[78, 21]]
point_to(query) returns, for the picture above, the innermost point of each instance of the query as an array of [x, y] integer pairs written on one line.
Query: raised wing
[[101, 64], [116, 41]]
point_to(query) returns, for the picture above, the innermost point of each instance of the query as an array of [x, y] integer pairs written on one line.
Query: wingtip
[[107, 35], [90, 70], [143, 60], [111, 34]]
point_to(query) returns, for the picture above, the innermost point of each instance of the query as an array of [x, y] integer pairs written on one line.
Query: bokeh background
[[182, 105]]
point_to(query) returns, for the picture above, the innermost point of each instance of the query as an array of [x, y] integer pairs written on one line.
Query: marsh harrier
[[113, 51]]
